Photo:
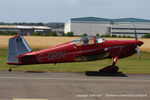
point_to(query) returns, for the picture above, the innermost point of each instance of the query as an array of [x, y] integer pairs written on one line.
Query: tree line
[[53, 33], [52, 25]]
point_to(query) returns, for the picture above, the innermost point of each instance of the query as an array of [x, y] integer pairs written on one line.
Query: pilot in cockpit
[[85, 40]]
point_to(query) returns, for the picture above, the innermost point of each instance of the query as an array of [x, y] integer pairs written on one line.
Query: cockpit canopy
[[86, 40]]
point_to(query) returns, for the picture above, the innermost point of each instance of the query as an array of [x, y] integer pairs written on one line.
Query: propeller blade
[[139, 53], [138, 48]]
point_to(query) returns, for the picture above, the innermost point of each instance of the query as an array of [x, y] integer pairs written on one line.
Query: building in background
[[58, 30], [103, 26], [88, 25], [22, 29], [129, 28]]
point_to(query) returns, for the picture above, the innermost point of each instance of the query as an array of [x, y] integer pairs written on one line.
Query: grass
[[131, 64]]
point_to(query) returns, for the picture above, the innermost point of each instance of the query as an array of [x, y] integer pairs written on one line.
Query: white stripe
[[97, 49], [82, 51], [27, 99], [88, 50]]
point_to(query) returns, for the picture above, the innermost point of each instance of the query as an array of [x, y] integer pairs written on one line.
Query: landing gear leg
[[112, 68]]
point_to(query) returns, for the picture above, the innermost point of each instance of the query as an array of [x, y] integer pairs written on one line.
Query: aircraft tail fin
[[17, 46]]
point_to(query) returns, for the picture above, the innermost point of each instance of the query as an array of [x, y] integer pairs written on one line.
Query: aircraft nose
[[139, 43]]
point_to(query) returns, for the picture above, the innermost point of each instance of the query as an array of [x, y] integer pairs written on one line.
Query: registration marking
[[58, 55]]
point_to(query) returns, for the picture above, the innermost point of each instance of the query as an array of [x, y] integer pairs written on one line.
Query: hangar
[[102, 26], [24, 29]]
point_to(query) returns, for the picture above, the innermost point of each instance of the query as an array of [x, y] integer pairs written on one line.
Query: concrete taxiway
[[72, 86]]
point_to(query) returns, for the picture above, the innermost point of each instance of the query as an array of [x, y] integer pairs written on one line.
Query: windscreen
[[87, 40]]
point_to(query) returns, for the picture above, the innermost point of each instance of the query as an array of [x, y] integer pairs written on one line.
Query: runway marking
[[79, 79], [27, 99]]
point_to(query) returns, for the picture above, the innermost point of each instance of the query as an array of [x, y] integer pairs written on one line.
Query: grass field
[[40, 42], [126, 65]]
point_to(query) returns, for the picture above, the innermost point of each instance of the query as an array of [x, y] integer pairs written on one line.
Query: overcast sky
[[63, 10]]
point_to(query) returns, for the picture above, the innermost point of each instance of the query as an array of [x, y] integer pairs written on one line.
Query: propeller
[[138, 48]]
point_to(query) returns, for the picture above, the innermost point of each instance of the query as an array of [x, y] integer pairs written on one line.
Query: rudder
[[17, 46]]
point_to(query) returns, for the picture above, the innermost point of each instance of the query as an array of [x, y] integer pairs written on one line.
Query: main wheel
[[110, 69]]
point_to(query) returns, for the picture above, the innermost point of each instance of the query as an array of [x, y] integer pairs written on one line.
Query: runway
[[72, 86]]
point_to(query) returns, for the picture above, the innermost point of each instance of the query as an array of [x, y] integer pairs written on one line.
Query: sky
[[62, 10]]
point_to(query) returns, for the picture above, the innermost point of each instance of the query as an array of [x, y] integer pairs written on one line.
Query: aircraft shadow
[[97, 73]]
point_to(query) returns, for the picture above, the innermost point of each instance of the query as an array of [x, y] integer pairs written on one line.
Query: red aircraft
[[87, 48]]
